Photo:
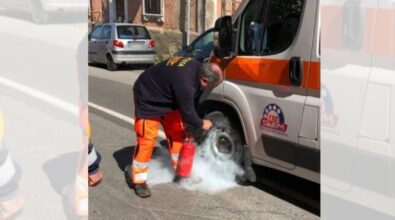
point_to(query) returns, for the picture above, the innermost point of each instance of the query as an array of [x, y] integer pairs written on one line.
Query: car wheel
[[110, 63], [38, 14], [227, 141], [228, 145]]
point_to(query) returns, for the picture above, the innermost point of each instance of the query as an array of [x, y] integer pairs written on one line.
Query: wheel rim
[[224, 145]]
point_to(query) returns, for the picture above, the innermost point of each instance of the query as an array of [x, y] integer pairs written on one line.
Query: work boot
[[142, 190]]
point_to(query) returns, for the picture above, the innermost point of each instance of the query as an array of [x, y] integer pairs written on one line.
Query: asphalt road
[[275, 196]]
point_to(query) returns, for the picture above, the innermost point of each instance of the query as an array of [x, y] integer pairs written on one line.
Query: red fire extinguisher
[[185, 161]]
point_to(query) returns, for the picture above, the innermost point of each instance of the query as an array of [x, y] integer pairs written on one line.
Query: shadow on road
[[123, 158], [297, 191]]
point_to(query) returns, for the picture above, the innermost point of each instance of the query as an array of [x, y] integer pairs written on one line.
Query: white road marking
[[125, 118], [67, 106]]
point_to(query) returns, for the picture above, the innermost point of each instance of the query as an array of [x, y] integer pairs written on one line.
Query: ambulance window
[[281, 25], [251, 28]]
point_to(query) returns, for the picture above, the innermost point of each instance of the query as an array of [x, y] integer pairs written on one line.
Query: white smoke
[[209, 173], [160, 169]]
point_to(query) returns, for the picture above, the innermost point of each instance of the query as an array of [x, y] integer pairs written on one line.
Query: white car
[[115, 44]]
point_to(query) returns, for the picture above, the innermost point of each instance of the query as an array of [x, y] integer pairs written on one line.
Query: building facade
[[172, 23]]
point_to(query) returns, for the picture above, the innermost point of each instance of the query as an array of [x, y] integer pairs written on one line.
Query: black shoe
[[142, 190]]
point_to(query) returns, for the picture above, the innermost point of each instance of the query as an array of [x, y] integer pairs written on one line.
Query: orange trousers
[[147, 131]]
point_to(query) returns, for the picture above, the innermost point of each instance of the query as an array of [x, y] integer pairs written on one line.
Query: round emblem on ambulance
[[273, 118]]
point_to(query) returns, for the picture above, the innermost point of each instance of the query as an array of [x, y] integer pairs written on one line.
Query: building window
[[153, 8]]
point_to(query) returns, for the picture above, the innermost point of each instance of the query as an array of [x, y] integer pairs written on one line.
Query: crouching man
[[166, 94]]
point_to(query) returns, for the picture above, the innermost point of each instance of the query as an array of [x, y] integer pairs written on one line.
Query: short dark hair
[[207, 71]]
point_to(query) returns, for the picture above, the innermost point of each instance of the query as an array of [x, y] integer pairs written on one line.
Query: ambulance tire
[[228, 142]]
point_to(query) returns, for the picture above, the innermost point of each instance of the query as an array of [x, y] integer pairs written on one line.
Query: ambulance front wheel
[[227, 142]]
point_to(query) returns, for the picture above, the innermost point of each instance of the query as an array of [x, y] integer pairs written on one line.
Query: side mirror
[[89, 37], [296, 71], [223, 37]]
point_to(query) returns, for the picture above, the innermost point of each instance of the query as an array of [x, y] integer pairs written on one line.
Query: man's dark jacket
[[170, 85]]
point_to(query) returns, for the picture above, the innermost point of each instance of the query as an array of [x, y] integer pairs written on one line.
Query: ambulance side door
[[272, 35]]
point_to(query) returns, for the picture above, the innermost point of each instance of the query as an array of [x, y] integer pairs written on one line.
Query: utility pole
[[126, 20], [188, 14], [223, 7], [112, 11]]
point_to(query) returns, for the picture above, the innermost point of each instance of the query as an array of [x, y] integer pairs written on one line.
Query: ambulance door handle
[[296, 71]]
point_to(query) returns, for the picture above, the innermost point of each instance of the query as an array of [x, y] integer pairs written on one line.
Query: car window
[[204, 42], [132, 32], [96, 33], [106, 32]]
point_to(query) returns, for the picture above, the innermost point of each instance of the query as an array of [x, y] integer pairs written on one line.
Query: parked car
[[200, 48], [115, 44]]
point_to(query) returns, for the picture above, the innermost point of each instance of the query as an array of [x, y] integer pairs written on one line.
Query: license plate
[[136, 44]]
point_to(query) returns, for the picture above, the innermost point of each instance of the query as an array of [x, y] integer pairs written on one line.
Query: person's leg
[[94, 158], [174, 128], [146, 131]]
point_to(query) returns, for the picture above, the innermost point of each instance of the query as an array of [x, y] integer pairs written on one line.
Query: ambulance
[[268, 106]]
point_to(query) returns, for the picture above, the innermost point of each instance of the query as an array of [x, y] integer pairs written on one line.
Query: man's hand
[[207, 124]]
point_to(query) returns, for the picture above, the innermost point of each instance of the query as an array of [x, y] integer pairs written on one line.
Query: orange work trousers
[[147, 131]]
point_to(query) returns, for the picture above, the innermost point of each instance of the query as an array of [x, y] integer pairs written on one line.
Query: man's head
[[210, 75]]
